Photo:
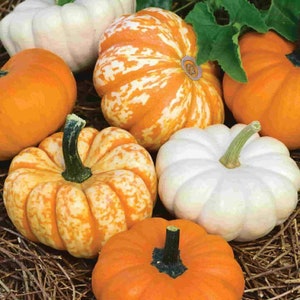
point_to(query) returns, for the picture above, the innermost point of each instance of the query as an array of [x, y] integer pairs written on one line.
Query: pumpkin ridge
[[114, 278], [274, 97], [88, 152], [269, 98], [126, 208], [176, 209], [219, 182], [264, 169], [134, 151], [232, 292], [135, 76], [98, 234], [60, 241], [62, 12], [203, 86], [264, 68]]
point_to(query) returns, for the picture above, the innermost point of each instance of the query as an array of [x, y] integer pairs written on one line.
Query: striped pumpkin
[[148, 79], [80, 187]]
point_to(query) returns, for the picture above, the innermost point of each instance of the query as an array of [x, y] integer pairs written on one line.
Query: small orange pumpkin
[[38, 90], [146, 263], [74, 192], [272, 92], [149, 81]]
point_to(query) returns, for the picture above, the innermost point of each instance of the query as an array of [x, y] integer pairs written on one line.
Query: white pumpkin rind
[[71, 31], [243, 203]]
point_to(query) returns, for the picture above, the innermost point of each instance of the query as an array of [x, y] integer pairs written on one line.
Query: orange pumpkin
[[272, 92], [151, 262], [149, 81], [73, 193], [38, 90]]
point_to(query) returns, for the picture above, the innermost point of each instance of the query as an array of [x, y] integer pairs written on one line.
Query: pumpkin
[[148, 79], [158, 260], [38, 90], [68, 28], [231, 181], [74, 192], [272, 91]]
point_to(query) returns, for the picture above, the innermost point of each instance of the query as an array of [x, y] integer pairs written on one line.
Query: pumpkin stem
[[63, 2], [3, 73], [74, 171], [231, 157], [190, 67], [167, 260], [294, 57]]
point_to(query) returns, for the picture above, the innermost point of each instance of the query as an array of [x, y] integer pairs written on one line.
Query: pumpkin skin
[[36, 85], [123, 269], [272, 91], [71, 31], [242, 203], [154, 88], [80, 216]]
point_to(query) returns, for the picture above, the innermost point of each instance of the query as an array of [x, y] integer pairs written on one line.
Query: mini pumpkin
[[150, 261], [38, 91], [272, 92], [148, 79], [74, 192], [231, 181], [68, 28]]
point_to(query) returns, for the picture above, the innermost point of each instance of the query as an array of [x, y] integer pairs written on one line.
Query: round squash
[[38, 90], [272, 92], [68, 28], [148, 78], [74, 192], [229, 180], [152, 261]]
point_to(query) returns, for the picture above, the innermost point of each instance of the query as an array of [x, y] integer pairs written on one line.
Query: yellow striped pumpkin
[[148, 79], [80, 187]]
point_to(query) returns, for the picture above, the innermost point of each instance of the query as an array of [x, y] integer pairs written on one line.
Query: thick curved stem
[[231, 157], [74, 171], [167, 260]]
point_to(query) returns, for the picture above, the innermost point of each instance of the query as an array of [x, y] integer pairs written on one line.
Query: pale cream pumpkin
[[70, 29], [230, 180]]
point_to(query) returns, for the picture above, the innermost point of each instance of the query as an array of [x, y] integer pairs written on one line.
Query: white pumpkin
[[70, 30], [240, 192]]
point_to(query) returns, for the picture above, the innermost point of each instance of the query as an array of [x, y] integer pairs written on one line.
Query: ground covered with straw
[[33, 271]]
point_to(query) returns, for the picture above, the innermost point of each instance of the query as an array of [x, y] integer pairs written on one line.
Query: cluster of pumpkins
[[88, 191]]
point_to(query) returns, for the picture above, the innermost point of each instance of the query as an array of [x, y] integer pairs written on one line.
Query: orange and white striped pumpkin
[[148, 79], [73, 196]]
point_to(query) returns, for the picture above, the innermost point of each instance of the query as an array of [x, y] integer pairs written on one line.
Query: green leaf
[[283, 17], [165, 4], [220, 42], [244, 13]]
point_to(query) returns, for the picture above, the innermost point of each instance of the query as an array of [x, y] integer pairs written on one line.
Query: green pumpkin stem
[[3, 73], [167, 260], [231, 157], [294, 57], [63, 2], [74, 171]]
